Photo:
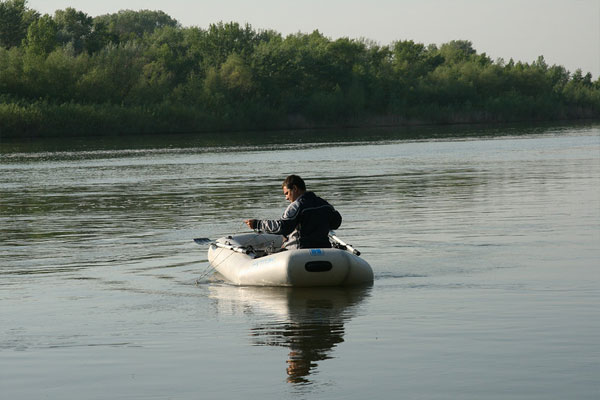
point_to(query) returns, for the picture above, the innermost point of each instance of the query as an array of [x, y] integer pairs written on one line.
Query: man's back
[[317, 217]]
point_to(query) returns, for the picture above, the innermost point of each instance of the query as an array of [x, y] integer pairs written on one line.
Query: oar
[[347, 246], [238, 249]]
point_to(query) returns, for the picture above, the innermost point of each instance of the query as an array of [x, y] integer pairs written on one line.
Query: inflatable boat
[[257, 259]]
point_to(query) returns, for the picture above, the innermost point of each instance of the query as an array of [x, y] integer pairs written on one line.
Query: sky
[[565, 32]]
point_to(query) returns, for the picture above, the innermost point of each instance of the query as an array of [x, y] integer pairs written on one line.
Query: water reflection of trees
[[308, 321]]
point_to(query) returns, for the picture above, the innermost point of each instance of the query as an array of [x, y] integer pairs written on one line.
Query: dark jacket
[[307, 220]]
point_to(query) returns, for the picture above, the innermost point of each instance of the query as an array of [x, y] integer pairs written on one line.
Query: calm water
[[486, 252]]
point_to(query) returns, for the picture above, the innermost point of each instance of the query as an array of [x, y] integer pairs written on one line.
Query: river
[[485, 243]]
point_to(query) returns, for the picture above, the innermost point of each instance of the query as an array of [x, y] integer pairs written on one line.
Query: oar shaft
[[237, 249], [346, 245]]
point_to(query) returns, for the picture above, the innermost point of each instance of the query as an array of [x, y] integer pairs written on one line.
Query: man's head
[[293, 187]]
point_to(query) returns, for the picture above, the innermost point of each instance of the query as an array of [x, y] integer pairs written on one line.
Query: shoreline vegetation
[[141, 72]]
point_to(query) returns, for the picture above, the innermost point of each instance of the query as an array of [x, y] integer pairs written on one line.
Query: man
[[307, 220]]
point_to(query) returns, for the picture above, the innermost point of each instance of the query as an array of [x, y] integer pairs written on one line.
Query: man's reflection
[[313, 327]]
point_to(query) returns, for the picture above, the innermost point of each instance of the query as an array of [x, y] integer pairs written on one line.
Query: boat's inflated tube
[[256, 259]]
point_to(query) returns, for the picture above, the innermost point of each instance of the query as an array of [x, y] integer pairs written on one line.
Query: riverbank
[[252, 139], [44, 119]]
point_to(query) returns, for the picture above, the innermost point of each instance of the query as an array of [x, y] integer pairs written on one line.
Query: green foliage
[[221, 40], [140, 71], [78, 30], [42, 36], [11, 72], [15, 18], [114, 74], [128, 25], [457, 51]]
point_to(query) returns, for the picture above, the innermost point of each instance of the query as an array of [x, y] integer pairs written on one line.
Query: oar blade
[[202, 240]]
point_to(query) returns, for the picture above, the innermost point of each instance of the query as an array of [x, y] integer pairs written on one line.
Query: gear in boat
[[261, 245]]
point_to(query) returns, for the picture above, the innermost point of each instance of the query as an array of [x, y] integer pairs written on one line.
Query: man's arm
[[283, 226], [335, 220]]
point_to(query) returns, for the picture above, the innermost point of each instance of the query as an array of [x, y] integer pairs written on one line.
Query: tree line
[[142, 72]]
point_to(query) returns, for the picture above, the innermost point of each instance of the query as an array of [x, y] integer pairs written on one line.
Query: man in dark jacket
[[307, 220]]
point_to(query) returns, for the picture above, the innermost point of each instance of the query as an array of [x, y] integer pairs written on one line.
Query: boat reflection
[[309, 321]]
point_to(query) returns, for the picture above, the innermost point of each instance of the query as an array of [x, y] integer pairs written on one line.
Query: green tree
[[11, 73], [79, 30], [378, 73], [236, 75], [74, 28], [457, 50], [221, 40], [98, 37], [114, 74], [166, 47], [129, 25], [42, 36], [54, 77], [15, 18]]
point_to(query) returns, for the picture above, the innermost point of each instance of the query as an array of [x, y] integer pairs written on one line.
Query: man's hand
[[251, 223]]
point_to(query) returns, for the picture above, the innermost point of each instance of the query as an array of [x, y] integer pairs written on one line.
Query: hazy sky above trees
[[565, 32]]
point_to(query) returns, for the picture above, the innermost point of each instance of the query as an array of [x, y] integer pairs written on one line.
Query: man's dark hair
[[294, 180]]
